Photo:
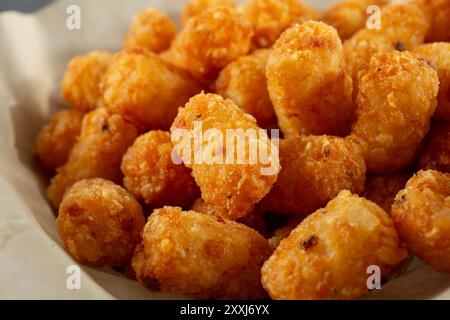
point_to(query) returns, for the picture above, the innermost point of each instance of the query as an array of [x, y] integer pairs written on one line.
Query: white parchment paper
[[34, 50]]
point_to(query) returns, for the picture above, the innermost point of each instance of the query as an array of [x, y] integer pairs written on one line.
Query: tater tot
[[103, 140], [438, 54], [56, 138], [99, 223], [327, 256], [254, 219], [151, 30], [200, 256], [349, 16], [194, 7], [307, 82], [151, 175], [271, 17], [395, 100], [436, 153], [283, 232], [143, 89], [314, 170], [84, 73], [403, 27], [382, 189], [244, 81], [438, 13], [201, 206], [421, 213], [210, 41], [233, 171]]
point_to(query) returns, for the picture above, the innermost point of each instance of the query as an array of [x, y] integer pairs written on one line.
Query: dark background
[[22, 5]]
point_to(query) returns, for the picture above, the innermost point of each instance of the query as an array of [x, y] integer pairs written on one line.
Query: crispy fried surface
[[244, 81], [403, 27], [151, 30], [422, 217], [436, 153], [143, 89], [56, 138], [103, 140], [151, 175], [271, 17], [382, 189], [327, 255], [254, 219], [349, 16], [99, 223], [438, 54], [438, 13], [80, 85], [194, 7], [314, 170], [200, 256], [210, 41], [231, 188], [307, 83], [283, 232], [201, 206], [395, 100]]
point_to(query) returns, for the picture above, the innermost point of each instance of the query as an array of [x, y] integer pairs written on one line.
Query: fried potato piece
[[103, 140], [194, 7], [314, 170], [438, 54], [307, 82], [438, 13], [254, 219], [151, 30], [210, 41], [421, 213], [99, 223], [238, 163], [327, 255], [143, 89], [56, 138], [200, 256], [150, 173], [244, 81], [403, 27], [81, 81], [283, 232], [382, 189], [271, 17], [395, 100], [201, 206], [436, 153], [349, 16]]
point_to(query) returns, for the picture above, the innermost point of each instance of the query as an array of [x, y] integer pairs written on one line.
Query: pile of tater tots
[[361, 172]]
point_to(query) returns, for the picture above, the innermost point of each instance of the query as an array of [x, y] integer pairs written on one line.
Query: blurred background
[[33, 5], [22, 5]]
